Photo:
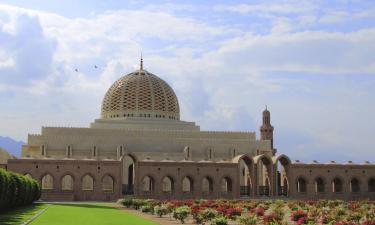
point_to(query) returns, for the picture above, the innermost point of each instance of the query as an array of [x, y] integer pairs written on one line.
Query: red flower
[[297, 215], [259, 211]]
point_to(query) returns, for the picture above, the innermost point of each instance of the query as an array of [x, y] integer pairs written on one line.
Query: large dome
[[140, 94]]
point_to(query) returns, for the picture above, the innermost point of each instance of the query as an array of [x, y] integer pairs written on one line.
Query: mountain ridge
[[11, 145]]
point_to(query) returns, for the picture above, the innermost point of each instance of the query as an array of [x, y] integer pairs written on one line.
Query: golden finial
[[141, 67]]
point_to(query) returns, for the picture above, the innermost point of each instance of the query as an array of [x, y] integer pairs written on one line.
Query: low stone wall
[[37, 168]]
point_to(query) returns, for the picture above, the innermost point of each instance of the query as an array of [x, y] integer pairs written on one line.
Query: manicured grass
[[88, 214], [20, 215]]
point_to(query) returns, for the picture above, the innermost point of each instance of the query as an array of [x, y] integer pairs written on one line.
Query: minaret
[[266, 130]]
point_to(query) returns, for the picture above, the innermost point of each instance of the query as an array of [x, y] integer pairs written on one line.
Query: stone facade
[[141, 147]]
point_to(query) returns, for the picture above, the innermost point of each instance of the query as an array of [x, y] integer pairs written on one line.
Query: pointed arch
[[337, 185], [47, 182], [67, 182], [226, 184], [319, 184], [128, 176], [108, 183], [148, 184], [371, 184], [282, 164], [187, 184], [301, 183], [87, 182], [355, 185], [207, 185], [167, 184], [264, 165], [246, 170]]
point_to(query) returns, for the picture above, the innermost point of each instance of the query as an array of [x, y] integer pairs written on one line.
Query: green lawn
[[88, 214], [19, 215]]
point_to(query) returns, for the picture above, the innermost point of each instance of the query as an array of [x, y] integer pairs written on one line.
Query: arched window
[[167, 185], [28, 175], [187, 185], [120, 151], [337, 185], [107, 183], [210, 154], [187, 152], [301, 185], [148, 184], [69, 151], [226, 185], [354, 185], [47, 182], [207, 185], [87, 183], [67, 183], [319, 185], [94, 152], [233, 152], [43, 149], [371, 185]]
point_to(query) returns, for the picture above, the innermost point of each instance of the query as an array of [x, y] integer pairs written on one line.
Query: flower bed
[[255, 212]]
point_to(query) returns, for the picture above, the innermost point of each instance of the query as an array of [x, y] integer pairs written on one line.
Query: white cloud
[[267, 8], [224, 87]]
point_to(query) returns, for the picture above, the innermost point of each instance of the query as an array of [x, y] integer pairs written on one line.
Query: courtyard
[[64, 214], [213, 212]]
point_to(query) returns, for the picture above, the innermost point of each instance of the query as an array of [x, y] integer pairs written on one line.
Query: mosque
[[140, 147]]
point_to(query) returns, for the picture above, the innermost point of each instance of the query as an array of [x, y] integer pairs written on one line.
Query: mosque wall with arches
[[244, 176], [73, 180]]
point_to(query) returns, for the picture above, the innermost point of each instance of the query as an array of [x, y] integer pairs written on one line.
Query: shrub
[[160, 210], [17, 190], [208, 214], [137, 203], [147, 209], [127, 202], [279, 203], [247, 220], [13, 190], [221, 220], [4, 188], [181, 213]]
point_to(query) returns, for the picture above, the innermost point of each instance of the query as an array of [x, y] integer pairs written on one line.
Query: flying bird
[[95, 66], [76, 70]]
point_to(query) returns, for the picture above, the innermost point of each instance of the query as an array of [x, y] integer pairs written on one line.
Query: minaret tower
[[266, 130]]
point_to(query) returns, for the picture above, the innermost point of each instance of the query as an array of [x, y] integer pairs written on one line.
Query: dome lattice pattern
[[140, 94]]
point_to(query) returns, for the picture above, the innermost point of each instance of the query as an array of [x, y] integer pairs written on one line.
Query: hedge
[[17, 190]]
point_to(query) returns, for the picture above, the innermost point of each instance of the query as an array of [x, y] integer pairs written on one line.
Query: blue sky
[[311, 62]]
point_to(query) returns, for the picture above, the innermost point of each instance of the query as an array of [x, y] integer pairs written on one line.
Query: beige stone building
[[141, 147]]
